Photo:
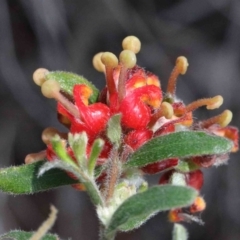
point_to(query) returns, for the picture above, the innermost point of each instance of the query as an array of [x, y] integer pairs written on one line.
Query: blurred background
[[64, 35]]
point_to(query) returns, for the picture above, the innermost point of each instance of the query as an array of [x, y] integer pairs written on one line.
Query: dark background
[[64, 35]]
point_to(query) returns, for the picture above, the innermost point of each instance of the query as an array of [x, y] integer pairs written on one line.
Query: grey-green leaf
[[114, 130], [179, 232], [23, 179], [179, 145], [140, 207], [67, 80], [22, 235]]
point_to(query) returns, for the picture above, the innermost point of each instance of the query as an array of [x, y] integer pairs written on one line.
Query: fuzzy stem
[[94, 193], [102, 236], [113, 176]]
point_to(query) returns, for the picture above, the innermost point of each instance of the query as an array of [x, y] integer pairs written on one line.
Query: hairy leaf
[[179, 145], [67, 80], [140, 207], [22, 235], [23, 179]]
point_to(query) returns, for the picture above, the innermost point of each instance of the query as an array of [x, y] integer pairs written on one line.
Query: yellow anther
[[167, 110], [97, 62], [225, 118], [39, 76], [50, 88], [109, 59], [131, 43], [128, 58], [215, 102], [182, 64]]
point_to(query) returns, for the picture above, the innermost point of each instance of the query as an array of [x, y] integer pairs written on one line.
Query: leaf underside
[[179, 145]]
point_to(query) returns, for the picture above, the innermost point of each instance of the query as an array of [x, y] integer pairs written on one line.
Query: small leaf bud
[[198, 205]]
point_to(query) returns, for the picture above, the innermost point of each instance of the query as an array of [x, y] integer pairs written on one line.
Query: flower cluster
[[145, 113]]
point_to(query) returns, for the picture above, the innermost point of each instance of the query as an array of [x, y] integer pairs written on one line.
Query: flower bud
[[137, 138], [198, 206], [195, 179]]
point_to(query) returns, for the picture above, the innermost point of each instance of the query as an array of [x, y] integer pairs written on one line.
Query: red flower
[[92, 118], [136, 94], [136, 106]]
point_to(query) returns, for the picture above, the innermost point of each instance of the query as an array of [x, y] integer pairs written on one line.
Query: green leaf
[[89, 184], [22, 235], [179, 232], [99, 170], [78, 143], [67, 80], [95, 151], [140, 207], [114, 130], [179, 145], [61, 151], [23, 179]]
